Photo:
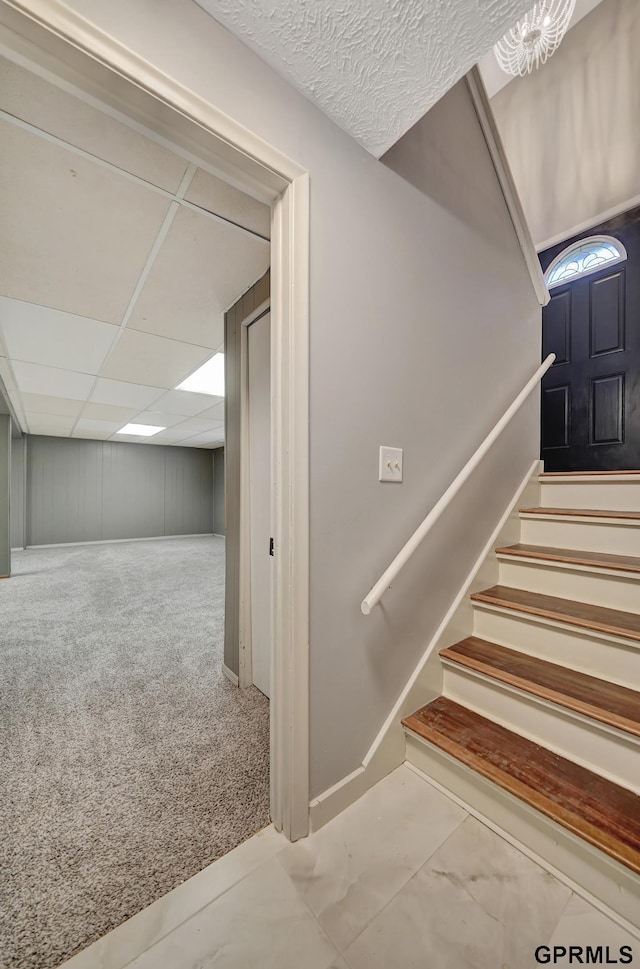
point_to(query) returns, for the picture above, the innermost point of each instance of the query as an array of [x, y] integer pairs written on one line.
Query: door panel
[[555, 416], [607, 419], [590, 412], [259, 373], [556, 332], [606, 317]]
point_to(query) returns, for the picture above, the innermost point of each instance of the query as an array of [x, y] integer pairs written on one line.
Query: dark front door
[[591, 395]]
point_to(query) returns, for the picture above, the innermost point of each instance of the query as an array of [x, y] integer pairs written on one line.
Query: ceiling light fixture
[[535, 37], [207, 379], [140, 430]]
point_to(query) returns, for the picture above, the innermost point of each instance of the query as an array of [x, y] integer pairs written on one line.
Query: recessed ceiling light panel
[[140, 430], [207, 379]]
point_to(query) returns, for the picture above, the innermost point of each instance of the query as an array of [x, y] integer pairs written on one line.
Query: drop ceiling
[[120, 262], [373, 68]]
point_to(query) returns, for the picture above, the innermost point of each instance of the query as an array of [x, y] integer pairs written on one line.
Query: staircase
[[538, 725]]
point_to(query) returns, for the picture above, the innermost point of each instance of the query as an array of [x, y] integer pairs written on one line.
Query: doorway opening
[[93, 69], [590, 416]]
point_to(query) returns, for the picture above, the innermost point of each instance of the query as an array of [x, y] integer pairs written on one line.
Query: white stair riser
[[620, 496], [605, 751], [588, 652], [584, 535], [561, 851], [599, 588]]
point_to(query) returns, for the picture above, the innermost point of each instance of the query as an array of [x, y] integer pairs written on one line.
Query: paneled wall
[[5, 494], [18, 452], [218, 491], [84, 491]]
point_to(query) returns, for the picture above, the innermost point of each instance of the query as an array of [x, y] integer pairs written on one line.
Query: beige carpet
[[128, 761]]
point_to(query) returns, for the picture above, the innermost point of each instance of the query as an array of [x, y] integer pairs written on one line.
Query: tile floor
[[404, 878]]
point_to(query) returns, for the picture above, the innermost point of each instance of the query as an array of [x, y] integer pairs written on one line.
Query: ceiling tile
[[99, 430], [158, 419], [215, 413], [170, 436], [196, 424], [191, 443], [134, 438], [51, 432], [55, 424], [108, 412], [124, 394], [80, 234], [183, 402], [38, 334], [210, 437], [39, 404], [16, 401], [48, 107], [51, 381], [214, 195], [91, 435], [201, 268], [6, 375], [154, 360]]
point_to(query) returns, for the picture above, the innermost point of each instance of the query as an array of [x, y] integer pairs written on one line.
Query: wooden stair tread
[[584, 614], [582, 513], [597, 810], [606, 702], [605, 560], [582, 474]]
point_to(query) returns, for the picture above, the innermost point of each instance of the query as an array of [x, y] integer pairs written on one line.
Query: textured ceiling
[[373, 66]]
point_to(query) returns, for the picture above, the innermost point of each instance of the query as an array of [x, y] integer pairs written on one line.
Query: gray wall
[[424, 327], [572, 130], [18, 449], [218, 491], [83, 491], [5, 495]]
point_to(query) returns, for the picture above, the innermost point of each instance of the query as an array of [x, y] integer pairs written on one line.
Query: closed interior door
[[591, 395], [259, 375]]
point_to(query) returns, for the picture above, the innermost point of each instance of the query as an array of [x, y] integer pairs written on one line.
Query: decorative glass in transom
[[587, 256]]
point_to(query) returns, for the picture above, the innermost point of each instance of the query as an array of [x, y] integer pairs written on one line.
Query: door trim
[[245, 631], [61, 44]]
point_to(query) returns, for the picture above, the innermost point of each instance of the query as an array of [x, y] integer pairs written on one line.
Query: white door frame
[[62, 45], [245, 630], [247, 539]]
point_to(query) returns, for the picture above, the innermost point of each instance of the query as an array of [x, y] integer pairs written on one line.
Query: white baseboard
[[230, 675], [388, 749], [218, 535], [119, 541]]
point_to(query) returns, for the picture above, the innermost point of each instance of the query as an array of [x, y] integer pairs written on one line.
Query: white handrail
[[405, 554]]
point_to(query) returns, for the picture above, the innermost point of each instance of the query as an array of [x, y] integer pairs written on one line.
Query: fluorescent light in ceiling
[[140, 430], [207, 379]]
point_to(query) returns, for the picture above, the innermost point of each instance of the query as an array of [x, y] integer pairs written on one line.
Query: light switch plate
[[390, 467]]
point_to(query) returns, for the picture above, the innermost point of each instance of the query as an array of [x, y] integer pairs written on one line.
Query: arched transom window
[[584, 257]]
